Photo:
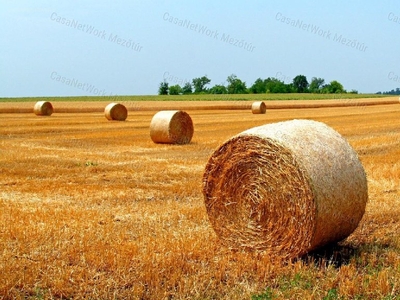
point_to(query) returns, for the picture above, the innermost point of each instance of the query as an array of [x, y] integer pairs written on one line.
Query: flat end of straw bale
[[258, 107], [43, 108], [171, 127], [116, 112]]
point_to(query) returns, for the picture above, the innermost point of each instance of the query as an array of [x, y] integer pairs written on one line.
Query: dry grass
[[93, 209], [234, 104]]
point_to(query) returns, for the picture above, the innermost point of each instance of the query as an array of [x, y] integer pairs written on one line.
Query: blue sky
[[68, 48]]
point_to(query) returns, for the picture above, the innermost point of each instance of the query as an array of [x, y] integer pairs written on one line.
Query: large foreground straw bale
[[116, 111], [171, 127], [258, 107], [286, 188], [43, 108]]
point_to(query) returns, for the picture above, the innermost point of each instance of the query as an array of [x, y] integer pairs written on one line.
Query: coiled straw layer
[[285, 188]]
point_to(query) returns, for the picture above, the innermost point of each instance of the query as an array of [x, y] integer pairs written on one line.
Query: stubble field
[[94, 209]]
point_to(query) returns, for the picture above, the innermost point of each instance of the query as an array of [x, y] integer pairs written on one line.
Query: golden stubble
[[94, 209]]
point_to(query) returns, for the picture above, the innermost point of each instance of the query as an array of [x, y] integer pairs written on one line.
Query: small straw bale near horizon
[[171, 127], [258, 107], [116, 112], [285, 188], [43, 108]]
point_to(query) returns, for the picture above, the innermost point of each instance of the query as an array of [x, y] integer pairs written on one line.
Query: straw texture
[[116, 112], [43, 108], [258, 107], [171, 127], [284, 188]]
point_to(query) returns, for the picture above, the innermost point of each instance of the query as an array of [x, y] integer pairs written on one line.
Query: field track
[[91, 208]]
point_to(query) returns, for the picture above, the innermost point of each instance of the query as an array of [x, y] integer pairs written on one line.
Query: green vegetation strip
[[202, 97]]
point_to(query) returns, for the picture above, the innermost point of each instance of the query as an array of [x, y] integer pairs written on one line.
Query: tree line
[[392, 92], [235, 85]]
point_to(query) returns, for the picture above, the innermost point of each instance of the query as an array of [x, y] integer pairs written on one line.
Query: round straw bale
[[258, 107], [43, 108], [116, 111], [171, 127], [285, 188]]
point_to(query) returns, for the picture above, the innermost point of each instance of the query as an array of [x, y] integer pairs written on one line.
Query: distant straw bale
[[258, 107], [43, 108], [171, 127], [285, 188], [116, 111]]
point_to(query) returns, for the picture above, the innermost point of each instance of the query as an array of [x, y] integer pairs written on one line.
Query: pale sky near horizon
[[74, 48]]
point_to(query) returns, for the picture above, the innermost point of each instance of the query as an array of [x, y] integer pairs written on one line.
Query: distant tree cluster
[[392, 92], [235, 85]]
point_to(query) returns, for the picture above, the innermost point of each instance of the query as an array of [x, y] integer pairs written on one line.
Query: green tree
[[218, 89], [163, 88], [200, 83], [316, 85], [336, 87], [300, 83], [187, 88], [274, 85], [258, 87], [175, 89], [235, 85]]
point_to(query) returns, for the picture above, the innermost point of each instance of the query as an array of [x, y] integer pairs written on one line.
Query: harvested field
[[97, 106], [94, 209]]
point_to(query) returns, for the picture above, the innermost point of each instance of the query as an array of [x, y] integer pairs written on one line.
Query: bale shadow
[[335, 255]]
